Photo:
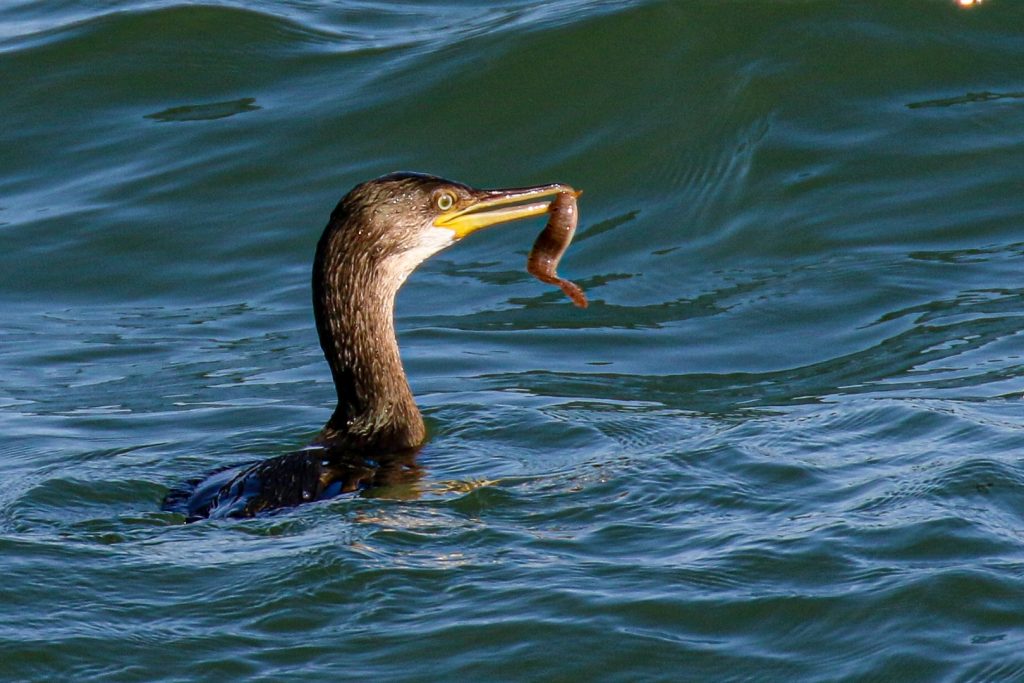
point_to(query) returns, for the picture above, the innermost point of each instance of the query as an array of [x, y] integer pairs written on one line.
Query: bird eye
[[445, 201]]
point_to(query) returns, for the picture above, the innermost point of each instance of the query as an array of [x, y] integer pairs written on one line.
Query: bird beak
[[499, 206]]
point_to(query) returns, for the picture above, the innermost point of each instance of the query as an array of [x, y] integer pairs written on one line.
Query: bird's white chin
[[432, 241]]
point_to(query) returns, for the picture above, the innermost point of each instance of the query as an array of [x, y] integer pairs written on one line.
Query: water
[[783, 443]]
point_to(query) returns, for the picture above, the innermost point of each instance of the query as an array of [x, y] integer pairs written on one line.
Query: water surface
[[783, 443]]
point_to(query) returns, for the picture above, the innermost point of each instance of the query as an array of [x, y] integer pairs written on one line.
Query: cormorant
[[376, 236]]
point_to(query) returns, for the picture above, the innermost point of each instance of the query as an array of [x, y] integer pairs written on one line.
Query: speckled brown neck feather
[[353, 301]]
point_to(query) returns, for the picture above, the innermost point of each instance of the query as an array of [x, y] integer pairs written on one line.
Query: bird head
[[403, 218]]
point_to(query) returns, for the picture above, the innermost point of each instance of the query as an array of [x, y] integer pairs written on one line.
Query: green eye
[[445, 201]]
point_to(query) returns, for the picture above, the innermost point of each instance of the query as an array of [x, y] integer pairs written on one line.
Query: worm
[[551, 244]]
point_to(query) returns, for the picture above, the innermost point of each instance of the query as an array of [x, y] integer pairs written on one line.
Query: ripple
[[206, 112], [969, 98]]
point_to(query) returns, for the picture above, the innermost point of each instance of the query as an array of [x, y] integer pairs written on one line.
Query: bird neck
[[353, 301]]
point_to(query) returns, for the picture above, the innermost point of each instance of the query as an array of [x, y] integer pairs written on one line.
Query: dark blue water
[[783, 443]]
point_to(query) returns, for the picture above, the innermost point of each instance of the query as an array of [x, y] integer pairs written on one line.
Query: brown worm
[[551, 244]]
